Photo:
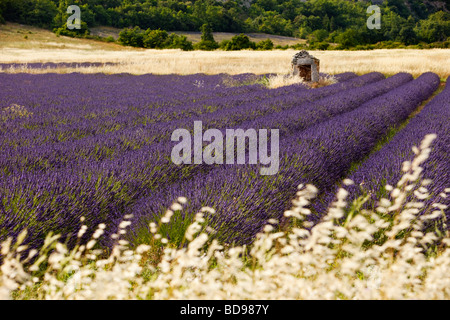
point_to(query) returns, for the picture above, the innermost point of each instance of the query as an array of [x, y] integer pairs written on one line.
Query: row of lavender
[[302, 116], [95, 104], [387, 162], [53, 65], [321, 154], [43, 188], [129, 104], [67, 145]]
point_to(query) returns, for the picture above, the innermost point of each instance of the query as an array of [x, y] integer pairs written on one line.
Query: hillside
[[331, 21], [195, 36], [18, 36]]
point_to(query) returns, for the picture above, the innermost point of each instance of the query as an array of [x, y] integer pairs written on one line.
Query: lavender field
[[86, 156], [98, 146]]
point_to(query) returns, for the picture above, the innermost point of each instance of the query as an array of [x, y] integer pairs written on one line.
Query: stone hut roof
[[301, 57]]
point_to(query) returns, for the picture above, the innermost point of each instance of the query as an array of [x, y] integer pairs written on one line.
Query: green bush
[[298, 46], [206, 45], [110, 39], [155, 39], [264, 45], [207, 39], [178, 42], [280, 47], [318, 35], [239, 42], [75, 33], [388, 45], [320, 45], [132, 37], [347, 39], [435, 29], [439, 45], [365, 47], [207, 34]]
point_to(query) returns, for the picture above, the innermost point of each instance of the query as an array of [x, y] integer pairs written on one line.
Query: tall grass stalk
[[351, 253]]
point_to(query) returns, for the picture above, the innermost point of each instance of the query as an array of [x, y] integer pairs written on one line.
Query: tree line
[[161, 39], [321, 22]]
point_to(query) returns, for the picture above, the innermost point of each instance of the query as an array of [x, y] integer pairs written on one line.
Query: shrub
[[320, 46], [110, 39], [207, 41], [239, 42], [131, 37], [298, 46], [178, 42], [223, 44], [155, 39], [280, 47], [74, 33], [206, 45], [264, 45]]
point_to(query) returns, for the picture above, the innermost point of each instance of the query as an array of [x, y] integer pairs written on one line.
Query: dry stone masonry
[[306, 66]]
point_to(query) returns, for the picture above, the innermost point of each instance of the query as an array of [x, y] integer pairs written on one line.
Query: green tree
[[132, 37], [407, 34], [348, 39], [399, 7], [288, 18], [155, 39], [178, 42], [326, 23], [239, 42], [332, 24], [391, 25], [264, 45], [318, 35], [2, 9], [435, 28], [37, 13], [320, 46], [207, 41], [207, 34]]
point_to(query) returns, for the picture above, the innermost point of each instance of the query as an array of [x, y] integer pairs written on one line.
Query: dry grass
[[14, 35], [355, 254], [14, 111], [43, 46], [281, 80], [391, 61]]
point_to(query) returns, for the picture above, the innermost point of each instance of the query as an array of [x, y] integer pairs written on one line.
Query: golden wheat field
[[168, 61], [24, 44]]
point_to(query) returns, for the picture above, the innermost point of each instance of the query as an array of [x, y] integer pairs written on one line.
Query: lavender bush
[[388, 161]]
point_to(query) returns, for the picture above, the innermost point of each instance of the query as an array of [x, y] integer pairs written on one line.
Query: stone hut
[[306, 66]]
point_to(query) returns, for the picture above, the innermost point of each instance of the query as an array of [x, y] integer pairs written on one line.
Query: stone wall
[[306, 66]]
